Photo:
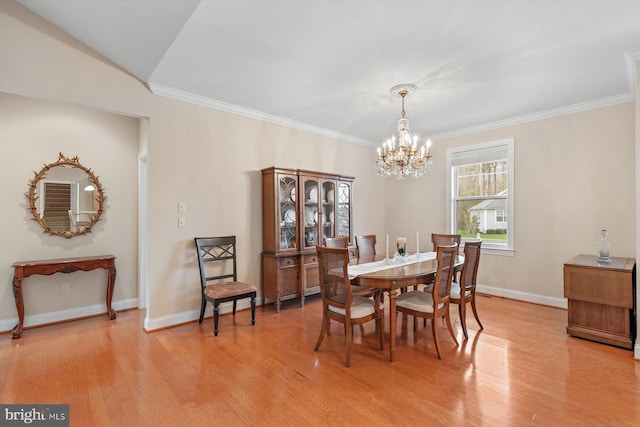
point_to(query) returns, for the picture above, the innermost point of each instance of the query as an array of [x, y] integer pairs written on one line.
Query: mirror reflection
[[66, 198]]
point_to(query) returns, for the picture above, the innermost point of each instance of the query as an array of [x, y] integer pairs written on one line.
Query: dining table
[[391, 275]]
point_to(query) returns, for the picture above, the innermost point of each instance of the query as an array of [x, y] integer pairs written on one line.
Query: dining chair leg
[[434, 331], [349, 339], [203, 306], [450, 327], [234, 307], [216, 315], [463, 318], [475, 312], [253, 310], [323, 330]]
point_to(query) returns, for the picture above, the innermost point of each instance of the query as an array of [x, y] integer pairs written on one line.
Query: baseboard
[[523, 296], [636, 352], [63, 315], [189, 316]]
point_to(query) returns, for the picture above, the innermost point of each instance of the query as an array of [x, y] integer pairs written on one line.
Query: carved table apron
[[24, 269]]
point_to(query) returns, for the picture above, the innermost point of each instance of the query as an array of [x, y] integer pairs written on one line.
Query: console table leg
[[110, 285], [17, 294]]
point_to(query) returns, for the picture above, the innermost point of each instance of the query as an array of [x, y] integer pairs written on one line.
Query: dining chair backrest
[[471, 262], [446, 257], [216, 250], [335, 286], [366, 245], [336, 242], [439, 239]]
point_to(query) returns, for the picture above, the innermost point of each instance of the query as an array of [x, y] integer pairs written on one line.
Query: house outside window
[[480, 191]]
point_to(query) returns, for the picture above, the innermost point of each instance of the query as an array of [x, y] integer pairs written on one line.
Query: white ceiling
[[328, 65]]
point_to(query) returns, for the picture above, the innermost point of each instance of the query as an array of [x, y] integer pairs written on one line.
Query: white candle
[[387, 254], [417, 242]]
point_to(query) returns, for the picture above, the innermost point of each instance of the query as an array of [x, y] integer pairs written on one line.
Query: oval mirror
[[66, 198]]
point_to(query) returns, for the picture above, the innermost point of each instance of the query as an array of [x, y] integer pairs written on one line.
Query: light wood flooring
[[522, 369]]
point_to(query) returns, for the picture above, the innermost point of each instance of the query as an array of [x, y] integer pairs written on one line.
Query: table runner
[[370, 267]]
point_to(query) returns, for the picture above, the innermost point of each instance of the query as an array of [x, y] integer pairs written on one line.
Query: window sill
[[498, 251]]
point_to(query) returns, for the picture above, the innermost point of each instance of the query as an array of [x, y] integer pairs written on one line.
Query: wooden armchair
[[214, 256], [468, 283], [338, 301], [445, 240], [433, 305], [366, 246]]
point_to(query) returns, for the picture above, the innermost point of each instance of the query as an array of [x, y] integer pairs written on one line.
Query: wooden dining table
[[392, 279]]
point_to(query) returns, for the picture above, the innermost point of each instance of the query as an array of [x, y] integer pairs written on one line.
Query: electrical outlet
[[182, 222], [66, 286]]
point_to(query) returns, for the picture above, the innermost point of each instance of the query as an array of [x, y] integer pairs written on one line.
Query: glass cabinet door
[[343, 210], [328, 204], [310, 215], [287, 205]]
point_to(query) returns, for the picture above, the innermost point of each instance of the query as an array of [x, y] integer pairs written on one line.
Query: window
[[480, 191]]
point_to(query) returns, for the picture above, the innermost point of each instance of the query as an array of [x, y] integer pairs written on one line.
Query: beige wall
[[574, 176], [32, 133], [216, 159]]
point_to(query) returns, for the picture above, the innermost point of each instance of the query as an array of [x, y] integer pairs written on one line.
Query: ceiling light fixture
[[401, 157]]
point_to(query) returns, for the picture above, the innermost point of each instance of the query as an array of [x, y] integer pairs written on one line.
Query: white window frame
[[499, 217], [489, 248]]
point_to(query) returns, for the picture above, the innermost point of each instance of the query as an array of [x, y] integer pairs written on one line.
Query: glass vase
[[604, 248]]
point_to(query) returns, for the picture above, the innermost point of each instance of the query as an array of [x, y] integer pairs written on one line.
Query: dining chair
[[468, 283], [341, 242], [217, 256], [366, 246], [435, 304], [338, 301], [439, 239], [336, 242]]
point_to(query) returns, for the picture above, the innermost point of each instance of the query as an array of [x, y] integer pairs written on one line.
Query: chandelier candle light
[[401, 157]]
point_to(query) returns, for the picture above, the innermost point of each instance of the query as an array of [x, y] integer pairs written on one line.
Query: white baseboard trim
[[70, 314], [523, 296], [636, 352], [189, 316]]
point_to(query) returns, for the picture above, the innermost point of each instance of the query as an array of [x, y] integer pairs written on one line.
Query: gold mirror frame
[[98, 197]]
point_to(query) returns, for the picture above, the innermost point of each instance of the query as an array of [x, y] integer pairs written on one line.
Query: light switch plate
[[182, 222], [182, 207]]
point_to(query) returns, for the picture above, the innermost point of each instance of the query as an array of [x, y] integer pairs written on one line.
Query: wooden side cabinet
[[601, 300]]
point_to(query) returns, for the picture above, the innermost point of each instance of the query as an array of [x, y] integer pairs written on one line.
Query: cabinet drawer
[[310, 259], [288, 262], [612, 288]]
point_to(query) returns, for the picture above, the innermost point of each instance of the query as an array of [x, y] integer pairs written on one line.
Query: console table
[[601, 300], [24, 269]]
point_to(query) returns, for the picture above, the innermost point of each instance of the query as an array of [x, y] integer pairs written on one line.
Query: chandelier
[[400, 156]]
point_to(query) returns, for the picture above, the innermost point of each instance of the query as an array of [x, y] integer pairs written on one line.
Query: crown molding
[[192, 98], [555, 112]]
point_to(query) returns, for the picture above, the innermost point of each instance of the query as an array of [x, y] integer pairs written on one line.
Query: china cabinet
[[299, 209]]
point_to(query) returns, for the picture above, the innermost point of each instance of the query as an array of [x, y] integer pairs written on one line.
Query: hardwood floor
[[521, 369]]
